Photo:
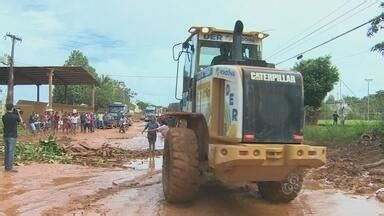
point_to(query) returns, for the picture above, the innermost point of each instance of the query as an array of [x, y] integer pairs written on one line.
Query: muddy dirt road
[[135, 189]]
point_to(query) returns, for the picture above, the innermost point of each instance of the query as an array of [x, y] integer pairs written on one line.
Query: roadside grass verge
[[325, 133], [349, 122]]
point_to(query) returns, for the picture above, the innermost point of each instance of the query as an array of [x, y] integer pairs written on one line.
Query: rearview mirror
[[176, 58]]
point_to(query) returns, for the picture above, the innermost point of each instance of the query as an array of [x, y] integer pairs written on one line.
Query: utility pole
[[368, 81], [11, 63]]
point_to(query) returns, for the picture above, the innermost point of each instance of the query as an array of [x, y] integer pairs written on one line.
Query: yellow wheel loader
[[241, 121]]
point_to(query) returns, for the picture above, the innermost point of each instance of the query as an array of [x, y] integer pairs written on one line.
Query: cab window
[[208, 51]]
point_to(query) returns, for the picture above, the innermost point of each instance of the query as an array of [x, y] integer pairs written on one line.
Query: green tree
[[142, 105], [110, 90], [376, 25], [319, 77], [380, 101], [76, 94], [107, 92]]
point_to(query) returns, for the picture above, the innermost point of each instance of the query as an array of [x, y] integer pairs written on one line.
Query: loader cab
[[202, 49], [242, 97]]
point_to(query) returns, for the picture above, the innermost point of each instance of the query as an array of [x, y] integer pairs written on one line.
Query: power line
[[334, 38], [348, 87], [352, 15], [317, 29], [332, 26], [308, 28], [319, 21]]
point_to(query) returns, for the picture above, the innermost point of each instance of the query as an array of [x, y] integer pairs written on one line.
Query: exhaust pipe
[[237, 48]]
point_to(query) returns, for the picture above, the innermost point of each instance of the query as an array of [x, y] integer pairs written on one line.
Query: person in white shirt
[[74, 119], [163, 129]]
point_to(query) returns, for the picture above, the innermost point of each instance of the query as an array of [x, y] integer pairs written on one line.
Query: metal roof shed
[[50, 75]]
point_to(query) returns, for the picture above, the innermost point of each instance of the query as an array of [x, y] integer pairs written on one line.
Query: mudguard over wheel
[[180, 165], [283, 191]]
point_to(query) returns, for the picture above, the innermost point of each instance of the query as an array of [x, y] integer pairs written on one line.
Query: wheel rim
[[292, 184]]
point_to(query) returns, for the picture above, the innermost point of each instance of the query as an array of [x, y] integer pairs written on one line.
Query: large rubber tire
[[284, 191], [180, 166]]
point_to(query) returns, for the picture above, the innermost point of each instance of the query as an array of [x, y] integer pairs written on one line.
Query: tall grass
[[351, 132]]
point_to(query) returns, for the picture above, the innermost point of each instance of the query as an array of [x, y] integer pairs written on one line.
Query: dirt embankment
[[353, 167]]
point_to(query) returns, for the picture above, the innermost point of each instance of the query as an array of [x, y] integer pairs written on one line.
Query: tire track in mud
[[88, 202]]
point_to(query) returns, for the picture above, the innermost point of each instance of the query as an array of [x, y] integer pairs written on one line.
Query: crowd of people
[[66, 122], [72, 123]]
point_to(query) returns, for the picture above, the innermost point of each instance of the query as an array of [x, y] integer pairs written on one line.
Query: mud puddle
[[76, 190], [314, 202], [140, 142], [152, 163], [223, 201], [38, 187], [214, 200]]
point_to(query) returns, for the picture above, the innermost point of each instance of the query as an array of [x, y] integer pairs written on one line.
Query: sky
[[132, 40]]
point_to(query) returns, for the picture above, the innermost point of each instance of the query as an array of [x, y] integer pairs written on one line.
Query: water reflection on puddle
[[153, 163], [141, 142]]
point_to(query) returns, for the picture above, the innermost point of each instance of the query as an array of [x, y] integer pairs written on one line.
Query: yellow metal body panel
[[262, 162]]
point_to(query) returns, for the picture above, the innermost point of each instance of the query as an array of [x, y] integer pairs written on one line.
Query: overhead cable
[[334, 25], [317, 29], [334, 38]]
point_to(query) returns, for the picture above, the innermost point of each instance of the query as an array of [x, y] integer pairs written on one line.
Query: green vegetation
[[357, 107], [45, 151], [107, 91], [319, 77], [349, 122], [325, 133], [376, 26], [142, 105]]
